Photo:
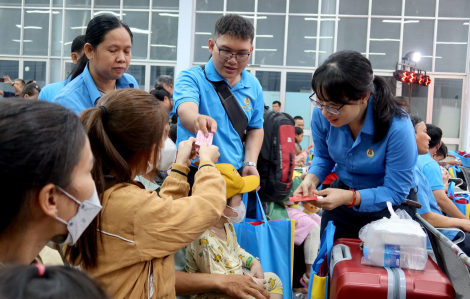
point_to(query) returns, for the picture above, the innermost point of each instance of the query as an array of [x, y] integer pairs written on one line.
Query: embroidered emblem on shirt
[[370, 153], [247, 101], [246, 107]]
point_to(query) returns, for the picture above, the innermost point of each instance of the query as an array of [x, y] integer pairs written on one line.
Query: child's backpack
[[276, 160]]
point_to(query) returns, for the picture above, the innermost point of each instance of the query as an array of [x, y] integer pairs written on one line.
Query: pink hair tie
[[41, 269]]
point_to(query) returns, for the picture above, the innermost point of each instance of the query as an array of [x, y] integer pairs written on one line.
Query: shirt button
[[350, 154]]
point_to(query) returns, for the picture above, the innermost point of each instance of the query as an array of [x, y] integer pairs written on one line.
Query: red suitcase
[[350, 279]]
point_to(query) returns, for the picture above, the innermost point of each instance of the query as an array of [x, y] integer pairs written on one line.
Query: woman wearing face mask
[[357, 126], [140, 231], [45, 165], [108, 44]]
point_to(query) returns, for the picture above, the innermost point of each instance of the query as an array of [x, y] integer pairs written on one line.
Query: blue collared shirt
[[380, 172], [432, 171], [192, 86], [50, 91], [81, 93]]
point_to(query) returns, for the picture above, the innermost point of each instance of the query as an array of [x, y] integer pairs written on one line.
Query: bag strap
[[450, 190], [326, 242], [231, 105], [260, 211]]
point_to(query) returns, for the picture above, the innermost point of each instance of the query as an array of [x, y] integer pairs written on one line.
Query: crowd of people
[[108, 180]]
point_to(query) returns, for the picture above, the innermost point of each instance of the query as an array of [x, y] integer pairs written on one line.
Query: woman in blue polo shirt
[[108, 44], [357, 127]]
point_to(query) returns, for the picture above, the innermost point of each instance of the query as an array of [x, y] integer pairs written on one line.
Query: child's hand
[[256, 269], [260, 282], [187, 150], [207, 153]]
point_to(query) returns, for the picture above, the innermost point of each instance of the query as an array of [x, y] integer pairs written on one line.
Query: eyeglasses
[[330, 109], [227, 55]]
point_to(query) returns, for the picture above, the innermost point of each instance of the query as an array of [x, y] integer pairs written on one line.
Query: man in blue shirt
[[429, 210], [199, 107], [432, 171], [17, 86], [49, 92]]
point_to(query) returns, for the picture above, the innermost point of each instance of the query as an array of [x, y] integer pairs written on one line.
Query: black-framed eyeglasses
[[330, 109], [227, 55]]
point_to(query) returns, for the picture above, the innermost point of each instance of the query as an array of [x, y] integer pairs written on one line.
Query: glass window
[[454, 8], [418, 35], [78, 3], [56, 34], [271, 83], [35, 70], [140, 4], [107, 4], [352, 34], [37, 3], [270, 40], [328, 7], [419, 99], [298, 90], [10, 3], [76, 22], [9, 68], [384, 44], [303, 6], [451, 49], [302, 41], [210, 5], [11, 31], [452, 147], [272, 6], [138, 72], [36, 32], [204, 31], [241, 5], [165, 4], [447, 105], [68, 69], [139, 24], [392, 82], [386, 7], [354, 7], [327, 34], [157, 71], [55, 71], [57, 3], [422, 8], [164, 36]]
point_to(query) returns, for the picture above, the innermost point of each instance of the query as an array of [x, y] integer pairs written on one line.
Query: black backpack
[[276, 160]]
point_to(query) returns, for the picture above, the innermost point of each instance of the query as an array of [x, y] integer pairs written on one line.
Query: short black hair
[[435, 133], [298, 117], [234, 25], [21, 80], [298, 131], [415, 120], [160, 92], [78, 44], [277, 102], [442, 151]]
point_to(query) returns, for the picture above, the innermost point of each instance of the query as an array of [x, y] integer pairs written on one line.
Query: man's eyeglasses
[[330, 109], [227, 55]]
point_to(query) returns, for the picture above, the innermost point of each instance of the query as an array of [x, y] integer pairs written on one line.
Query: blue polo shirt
[[380, 172], [81, 93], [192, 86], [432, 171], [49, 92]]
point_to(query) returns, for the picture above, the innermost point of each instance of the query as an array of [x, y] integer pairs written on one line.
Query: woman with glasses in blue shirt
[[357, 127]]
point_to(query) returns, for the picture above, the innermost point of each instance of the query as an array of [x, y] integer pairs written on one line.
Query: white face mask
[[167, 155], [240, 210], [86, 212]]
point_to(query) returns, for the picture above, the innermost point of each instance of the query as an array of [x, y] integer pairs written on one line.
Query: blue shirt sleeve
[[322, 164], [400, 160], [433, 173], [257, 118], [186, 89]]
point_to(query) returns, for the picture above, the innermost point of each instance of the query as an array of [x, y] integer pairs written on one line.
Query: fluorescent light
[[38, 11], [24, 41], [400, 21], [384, 40], [314, 51], [108, 12], [321, 37], [173, 15], [379, 54], [310, 19], [79, 27], [451, 43], [264, 36], [329, 19], [29, 27], [137, 30], [203, 33], [430, 56], [259, 18], [162, 46], [466, 23], [67, 43], [205, 47], [266, 50]]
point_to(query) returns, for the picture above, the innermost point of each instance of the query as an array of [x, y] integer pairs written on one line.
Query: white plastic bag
[[398, 242]]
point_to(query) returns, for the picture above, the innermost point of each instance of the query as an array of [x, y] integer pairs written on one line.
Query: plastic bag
[[398, 242]]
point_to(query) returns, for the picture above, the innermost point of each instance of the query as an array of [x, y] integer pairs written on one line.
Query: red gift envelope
[[302, 198]]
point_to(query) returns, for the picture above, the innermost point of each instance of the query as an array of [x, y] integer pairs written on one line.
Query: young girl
[[217, 251]]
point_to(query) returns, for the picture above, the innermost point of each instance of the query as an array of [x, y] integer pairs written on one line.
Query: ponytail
[[160, 92], [79, 67], [385, 108]]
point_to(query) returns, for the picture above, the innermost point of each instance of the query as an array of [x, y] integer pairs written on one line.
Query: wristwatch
[[249, 164]]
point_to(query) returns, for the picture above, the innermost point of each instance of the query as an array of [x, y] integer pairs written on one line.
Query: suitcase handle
[[339, 253]]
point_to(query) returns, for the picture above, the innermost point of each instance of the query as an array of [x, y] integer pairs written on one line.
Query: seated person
[[300, 157], [429, 210], [217, 249]]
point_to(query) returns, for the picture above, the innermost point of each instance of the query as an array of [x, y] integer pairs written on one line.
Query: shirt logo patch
[[370, 153], [247, 101], [247, 106]]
